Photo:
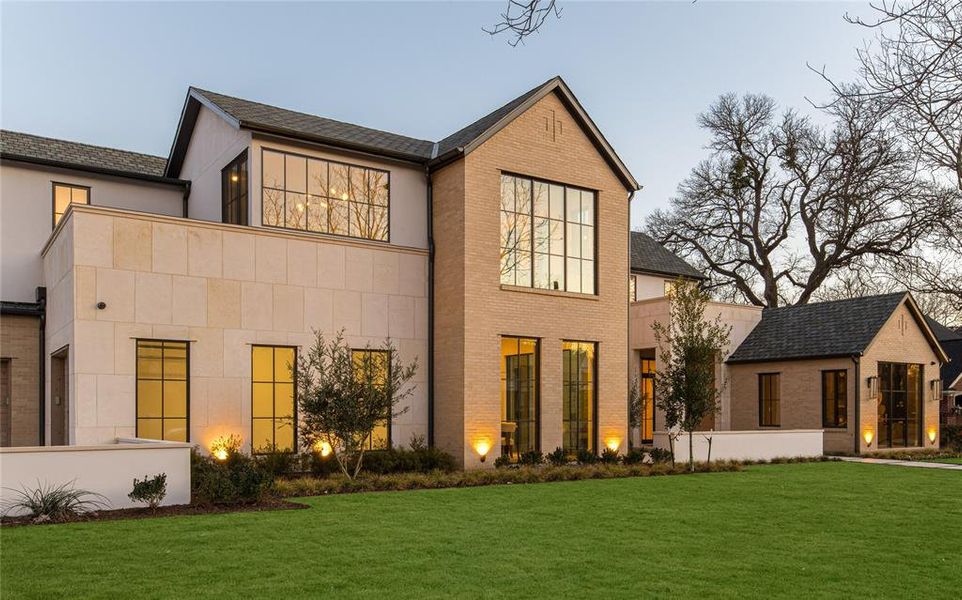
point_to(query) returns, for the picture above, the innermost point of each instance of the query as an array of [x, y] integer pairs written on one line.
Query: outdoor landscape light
[[932, 435], [482, 449], [220, 447], [868, 435], [613, 444], [323, 448]]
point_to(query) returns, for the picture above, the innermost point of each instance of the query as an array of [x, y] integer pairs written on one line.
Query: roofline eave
[[91, 169]]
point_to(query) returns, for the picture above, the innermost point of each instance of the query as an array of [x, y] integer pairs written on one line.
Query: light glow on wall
[[482, 447], [613, 444], [868, 435], [932, 435]]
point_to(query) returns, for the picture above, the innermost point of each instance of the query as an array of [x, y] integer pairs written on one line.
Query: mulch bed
[[161, 511]]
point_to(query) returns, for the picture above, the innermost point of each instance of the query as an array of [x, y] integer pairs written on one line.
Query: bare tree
[[522, 18], [781, 205]]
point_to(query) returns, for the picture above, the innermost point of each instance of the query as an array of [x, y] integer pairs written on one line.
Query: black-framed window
[[547, 235], [234, 191], [769, 399], [579, 397], [900, 405], [163, 390], [380, 365], [324, 196], [273, 399], [519, 396], [647, 391], [835, 398], [65, 194]]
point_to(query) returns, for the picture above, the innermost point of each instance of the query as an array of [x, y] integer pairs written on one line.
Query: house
[[863, 372], [951, 373], [164, 298]]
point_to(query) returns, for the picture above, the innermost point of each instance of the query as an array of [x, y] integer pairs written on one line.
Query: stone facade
[[474, 310], [20, 353]]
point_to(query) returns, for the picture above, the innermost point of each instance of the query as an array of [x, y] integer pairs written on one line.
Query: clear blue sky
[[116, 74]]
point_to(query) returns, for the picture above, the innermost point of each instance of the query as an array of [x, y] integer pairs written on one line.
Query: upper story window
[[234, 191], [65, 194], [547, 235], [324, 196]]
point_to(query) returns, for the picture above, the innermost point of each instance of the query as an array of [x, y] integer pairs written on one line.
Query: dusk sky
[[116, 74]]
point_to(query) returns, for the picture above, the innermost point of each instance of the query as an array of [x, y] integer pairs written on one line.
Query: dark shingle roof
[[255, 115], [821, 329], [34, 148], [648, 256], [941, 332]]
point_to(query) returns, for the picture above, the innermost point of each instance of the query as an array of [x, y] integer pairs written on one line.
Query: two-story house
[[164, 298]]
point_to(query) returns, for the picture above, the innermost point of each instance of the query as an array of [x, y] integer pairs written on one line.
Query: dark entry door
[[58, 399]]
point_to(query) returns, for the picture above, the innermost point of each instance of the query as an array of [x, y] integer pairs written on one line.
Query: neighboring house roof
[[942, 333], [648, 256], [951, 341], [36, 149], [264, 118], [824, 329]]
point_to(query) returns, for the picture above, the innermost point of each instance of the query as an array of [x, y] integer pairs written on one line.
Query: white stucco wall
[[746, 445], [108, 470], [649, 286], [213, 145], [223, 288], [26, 215]]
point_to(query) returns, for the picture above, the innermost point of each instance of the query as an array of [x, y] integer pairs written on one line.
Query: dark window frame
[[841, 408], [243, 211], [594, 226], [885, 387], [389, 443], [593, 446], [762, 399], [654, 413], [53, 198], [307, 157], [537, 384], [274, 382], [137, 416]]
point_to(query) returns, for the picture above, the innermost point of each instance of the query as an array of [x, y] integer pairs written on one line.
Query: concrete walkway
[[903, 463]]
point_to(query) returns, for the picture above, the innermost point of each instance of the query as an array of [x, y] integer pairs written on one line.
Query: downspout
[[42, 307], [186, 198], [430, 210], [856, 358], [628, 438]]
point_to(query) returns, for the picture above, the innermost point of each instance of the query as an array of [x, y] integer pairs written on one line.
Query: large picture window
[[380, 365], [234, 191], [769, 400], [163, 399], [519, 396], [899, 405], [324, 196], [65, 194], [547, 235], [835, 398], [578, 396], [273, 399]]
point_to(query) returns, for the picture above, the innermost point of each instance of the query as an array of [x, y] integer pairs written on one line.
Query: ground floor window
[[647, 391], [578, 396], [273, 399], [163, 406], [835, 398], [769, 400], [519, 396], [380, 364], [899, 405]]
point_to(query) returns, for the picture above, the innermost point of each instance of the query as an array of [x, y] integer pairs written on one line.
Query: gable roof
[[35, 149], [265, 118], [824, 329], [942, 333], [951, 342], [648, 256]]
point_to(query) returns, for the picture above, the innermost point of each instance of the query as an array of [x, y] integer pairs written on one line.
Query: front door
[[899, 405], [58, 398]]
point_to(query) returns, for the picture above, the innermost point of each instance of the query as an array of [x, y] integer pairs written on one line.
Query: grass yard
[[815, 529], [949, 461]]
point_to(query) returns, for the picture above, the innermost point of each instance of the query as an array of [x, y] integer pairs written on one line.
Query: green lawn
[[798, 530], [950, 461]]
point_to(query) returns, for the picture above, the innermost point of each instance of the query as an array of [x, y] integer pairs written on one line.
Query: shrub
[[586, 457], [610, 457], [318, 464], [531, 458], [48, 502], [151, 490], [659, 455], [558, 457], [635, 456], [237, 480], [952, 437], [276, 462], [418, 459], [502, 462]]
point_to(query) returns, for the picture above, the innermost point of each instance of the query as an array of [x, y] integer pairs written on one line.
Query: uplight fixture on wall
[[932, 435], [868, 435], [613, 444], [482, 447]]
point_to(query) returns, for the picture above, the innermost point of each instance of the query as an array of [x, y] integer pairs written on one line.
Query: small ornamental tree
[[344, 394], [690, 349]]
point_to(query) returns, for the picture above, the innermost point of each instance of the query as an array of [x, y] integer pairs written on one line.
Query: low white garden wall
[[107, 469], [746, 445]]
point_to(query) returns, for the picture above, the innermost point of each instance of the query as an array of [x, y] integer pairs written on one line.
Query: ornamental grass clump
[[53, 503]]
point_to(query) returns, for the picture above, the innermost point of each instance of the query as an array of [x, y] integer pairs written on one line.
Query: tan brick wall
[[20, 344], [527, 147], [801, 397]]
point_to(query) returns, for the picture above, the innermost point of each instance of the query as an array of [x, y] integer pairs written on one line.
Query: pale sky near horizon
[[116, 74]]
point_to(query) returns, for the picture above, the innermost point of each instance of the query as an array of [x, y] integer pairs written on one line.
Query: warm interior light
[[323, 448], [868, 435], [344, 196], [300, 206], [932, 435], [482, 447], [234, 178], [613, 444]]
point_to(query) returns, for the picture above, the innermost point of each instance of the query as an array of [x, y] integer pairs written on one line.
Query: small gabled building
[[865, 370], [654, 268]]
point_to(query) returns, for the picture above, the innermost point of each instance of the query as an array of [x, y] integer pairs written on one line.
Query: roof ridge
[[839, 300], [88, 145]]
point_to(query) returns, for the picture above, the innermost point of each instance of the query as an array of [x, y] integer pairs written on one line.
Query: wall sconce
[[868, 435], [932, 435], [872, 386], [482, 447], [613, 444], [936, 386]]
